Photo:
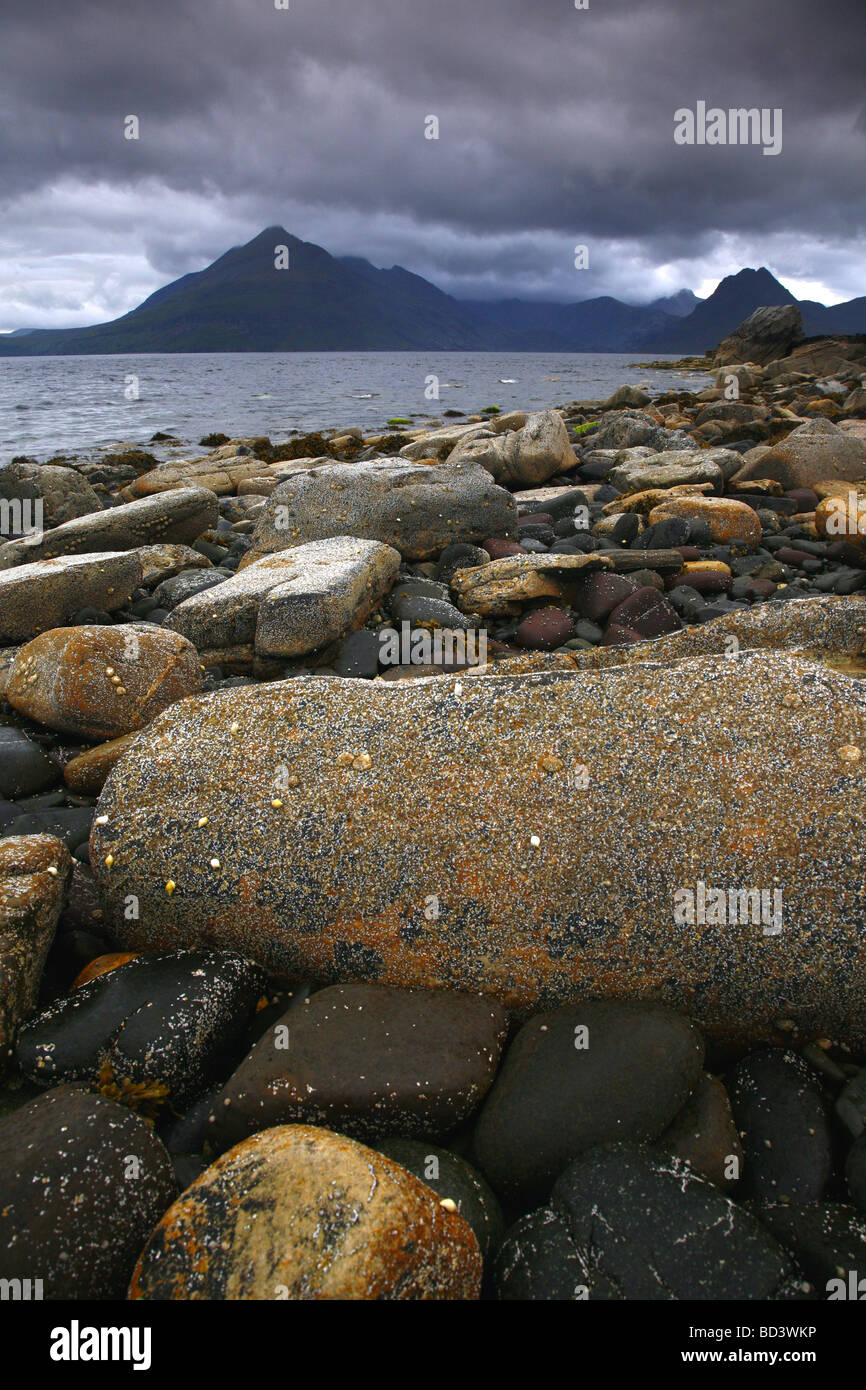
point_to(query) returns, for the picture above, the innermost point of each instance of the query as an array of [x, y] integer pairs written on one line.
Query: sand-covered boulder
[[537, 838]]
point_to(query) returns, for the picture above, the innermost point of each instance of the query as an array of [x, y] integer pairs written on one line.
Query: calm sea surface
[[82, 405]]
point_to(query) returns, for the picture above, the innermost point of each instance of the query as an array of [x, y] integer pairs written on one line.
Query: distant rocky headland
[[280, 294]]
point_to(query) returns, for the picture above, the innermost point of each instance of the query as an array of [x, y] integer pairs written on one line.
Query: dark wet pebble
[[780, 1110], [579, 1076], [164, 1021], [25, 768], [83, 1182], [626, 1222]]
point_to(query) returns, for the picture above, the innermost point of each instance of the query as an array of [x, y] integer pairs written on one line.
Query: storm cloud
[[555, 125]]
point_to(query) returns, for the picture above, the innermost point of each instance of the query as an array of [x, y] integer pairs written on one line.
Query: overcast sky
[[556, 128]]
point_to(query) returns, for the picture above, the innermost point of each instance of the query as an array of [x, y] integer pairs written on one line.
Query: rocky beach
[[432, 862]]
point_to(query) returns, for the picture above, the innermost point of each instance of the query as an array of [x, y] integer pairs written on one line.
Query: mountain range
[[321, 303]]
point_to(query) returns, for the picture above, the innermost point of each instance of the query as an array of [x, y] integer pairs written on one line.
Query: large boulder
[[304, 1214], [339, 840], [521, 458], [766, 334], [675, 468], [630, 429], [175, 517], [811, 453], [292, 602], [418, 508]]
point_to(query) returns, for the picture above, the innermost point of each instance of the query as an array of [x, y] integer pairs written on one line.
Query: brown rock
[[304, 1214], [86, 773], [34, 598], [101, 682], [34, 873], [367, 1060], [704, 1135], [729, 522]]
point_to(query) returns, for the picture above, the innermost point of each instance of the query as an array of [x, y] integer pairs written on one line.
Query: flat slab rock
[[42, 595], [522, 837], [293, 601], [174, 517]]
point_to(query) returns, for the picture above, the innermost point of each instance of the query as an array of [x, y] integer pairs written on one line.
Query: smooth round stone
[[827, 1239], [158, 1025], [71, 824], [579, 1076], [451, 1178], [618, 635], [534, 546], [182, 586], [719, 519], [544, 630], [704, 1135], [600, 593], [496, 549], [301, 1213], [781, 1114], [83, 1181], [459, 557], [641, 1226], [855, 1172], [646, 612], [25, 769], [368, 1060], [358, 654], [589, 632]]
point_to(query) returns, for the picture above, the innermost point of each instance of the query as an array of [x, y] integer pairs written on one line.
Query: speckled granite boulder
[[347, 847], [173, 517], [294, 601], [304, 1214]]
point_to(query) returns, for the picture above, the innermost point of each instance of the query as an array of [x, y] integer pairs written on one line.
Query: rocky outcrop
[[765, 335]]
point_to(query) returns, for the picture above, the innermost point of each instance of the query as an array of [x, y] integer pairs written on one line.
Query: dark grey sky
[[555, 128]]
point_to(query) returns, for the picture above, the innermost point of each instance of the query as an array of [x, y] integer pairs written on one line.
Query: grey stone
[[417, 508]]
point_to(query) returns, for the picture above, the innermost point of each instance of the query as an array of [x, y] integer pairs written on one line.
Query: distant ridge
[[322, 303]]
